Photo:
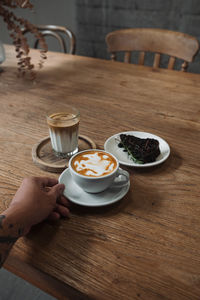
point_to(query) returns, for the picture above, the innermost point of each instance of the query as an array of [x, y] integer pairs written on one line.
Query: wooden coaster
[[44, 157]]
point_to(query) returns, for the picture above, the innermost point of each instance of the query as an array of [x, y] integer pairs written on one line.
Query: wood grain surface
[[146, 246]]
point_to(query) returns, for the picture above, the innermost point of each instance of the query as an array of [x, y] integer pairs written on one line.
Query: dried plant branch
[[15, 25]]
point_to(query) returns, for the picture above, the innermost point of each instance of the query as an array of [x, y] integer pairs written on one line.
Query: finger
[[57, 190], [62, 200], [26, 230], [50, 181], [47, 181], [62, 210], [54, 216]]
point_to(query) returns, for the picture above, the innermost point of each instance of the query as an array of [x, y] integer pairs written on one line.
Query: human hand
[[37, 199]]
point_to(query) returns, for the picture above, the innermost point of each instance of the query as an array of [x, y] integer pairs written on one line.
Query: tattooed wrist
[[1, 220], [9, 234]]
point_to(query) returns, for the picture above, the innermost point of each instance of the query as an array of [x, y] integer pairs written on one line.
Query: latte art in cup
[[95, 170], [94, 163]]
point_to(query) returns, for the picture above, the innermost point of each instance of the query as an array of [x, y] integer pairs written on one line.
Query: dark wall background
[[95, 18], [91, 20], [61, 12]]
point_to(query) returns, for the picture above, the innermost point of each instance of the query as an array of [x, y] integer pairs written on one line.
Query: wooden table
[[146, 246]]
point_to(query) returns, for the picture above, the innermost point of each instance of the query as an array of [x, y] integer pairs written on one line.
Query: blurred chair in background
[[159, 41], [63, 35]]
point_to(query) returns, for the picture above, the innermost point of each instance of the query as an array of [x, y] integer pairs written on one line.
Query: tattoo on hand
[[7, 240], [1, 220], [1, 260]]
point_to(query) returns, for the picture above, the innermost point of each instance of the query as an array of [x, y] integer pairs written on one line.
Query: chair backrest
[[160, 41], [57, 32]]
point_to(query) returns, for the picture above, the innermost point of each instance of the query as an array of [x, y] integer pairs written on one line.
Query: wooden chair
[[159, 41], [58, 32]]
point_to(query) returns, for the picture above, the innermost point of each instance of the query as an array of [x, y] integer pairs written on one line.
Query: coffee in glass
[[63, 130]]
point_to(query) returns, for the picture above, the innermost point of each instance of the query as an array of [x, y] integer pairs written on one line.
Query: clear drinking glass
[[63, 129]]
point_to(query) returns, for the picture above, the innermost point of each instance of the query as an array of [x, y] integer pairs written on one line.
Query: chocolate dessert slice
[[143, 150]]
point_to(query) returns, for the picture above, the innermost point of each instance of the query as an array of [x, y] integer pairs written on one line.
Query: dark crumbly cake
[[144, 150]]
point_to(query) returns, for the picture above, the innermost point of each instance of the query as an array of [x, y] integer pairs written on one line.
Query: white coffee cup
[[113, 175]]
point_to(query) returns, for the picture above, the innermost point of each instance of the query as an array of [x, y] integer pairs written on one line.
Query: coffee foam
[[94, 164], [62, 119]]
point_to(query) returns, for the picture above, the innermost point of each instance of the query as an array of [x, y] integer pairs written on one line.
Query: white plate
[[111, 145], [76, 195]]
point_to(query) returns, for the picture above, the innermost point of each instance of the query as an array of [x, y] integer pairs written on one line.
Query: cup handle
[[121, 179]]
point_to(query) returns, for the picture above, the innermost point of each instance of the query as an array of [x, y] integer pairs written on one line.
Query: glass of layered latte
[[96, 170], [63, 129]]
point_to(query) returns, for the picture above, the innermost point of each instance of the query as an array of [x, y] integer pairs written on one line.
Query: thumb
[[57, 190]]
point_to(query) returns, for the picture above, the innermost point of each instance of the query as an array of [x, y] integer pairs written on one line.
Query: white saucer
[[76, 195], [111, 145]]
